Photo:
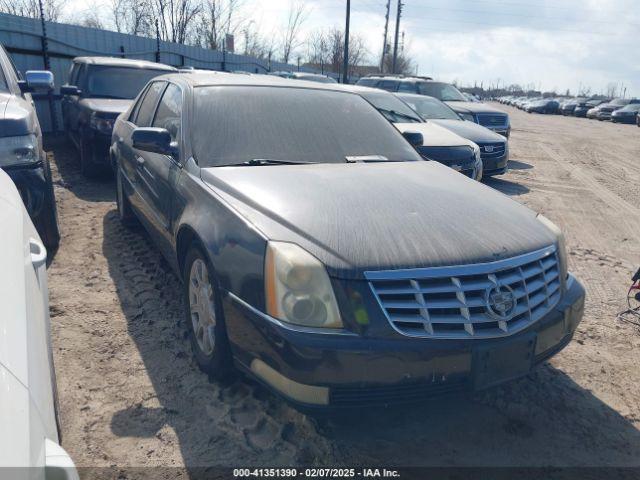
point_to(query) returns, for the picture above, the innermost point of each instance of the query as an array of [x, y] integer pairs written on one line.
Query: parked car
[[547, 106], [494, 148], [626, 114], [99, 89], [606, 109], [569, 106], [592, 113], [312, 77], [21, 153], [480, 113], [434, 142], [583, 107], [29, 437], [320, 255]]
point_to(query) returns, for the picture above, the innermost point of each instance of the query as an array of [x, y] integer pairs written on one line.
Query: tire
[[47, 221], [125, 212], [205, 317]]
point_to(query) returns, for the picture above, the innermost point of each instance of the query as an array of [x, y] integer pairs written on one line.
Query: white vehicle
[[29, 437], [437, 143]]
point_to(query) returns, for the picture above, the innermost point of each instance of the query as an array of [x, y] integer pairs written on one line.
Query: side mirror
[[37, 80], [155, 140], [414, 138], [69, 90]]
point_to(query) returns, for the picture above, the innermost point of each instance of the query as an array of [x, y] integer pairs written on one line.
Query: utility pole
[[345, 60], [386, 31], [395, 44]]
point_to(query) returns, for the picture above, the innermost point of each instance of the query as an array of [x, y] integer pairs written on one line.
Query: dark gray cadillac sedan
[[322, 256]]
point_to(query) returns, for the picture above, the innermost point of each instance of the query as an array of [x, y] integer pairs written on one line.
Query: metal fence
[[22, 38]]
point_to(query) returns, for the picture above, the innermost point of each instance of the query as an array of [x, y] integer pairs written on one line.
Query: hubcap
[[202, 307]]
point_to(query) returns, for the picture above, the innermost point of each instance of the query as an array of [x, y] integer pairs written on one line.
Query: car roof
[[400, 78], [201, 79], [123, 62]]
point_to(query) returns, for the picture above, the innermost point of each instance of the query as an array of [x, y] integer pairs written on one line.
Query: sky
[[549, 44]]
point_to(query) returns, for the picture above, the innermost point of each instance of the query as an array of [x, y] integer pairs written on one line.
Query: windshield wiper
[[265, 161], [401, 115], [367, 159]]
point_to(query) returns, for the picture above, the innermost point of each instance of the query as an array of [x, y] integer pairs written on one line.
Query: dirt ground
[[131, 395]]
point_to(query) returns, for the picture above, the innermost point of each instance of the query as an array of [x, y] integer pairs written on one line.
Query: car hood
[[434, 135], [380, 216], [17, 116], [470, 130], [473, 107], [111, 106]]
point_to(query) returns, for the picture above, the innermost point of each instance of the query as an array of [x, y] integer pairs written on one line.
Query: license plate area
[[504, 361]]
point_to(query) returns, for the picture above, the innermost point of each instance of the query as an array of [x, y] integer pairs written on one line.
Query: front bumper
[[623, 118], [320, 370], [495, 165], [31, 182], [99, 145]]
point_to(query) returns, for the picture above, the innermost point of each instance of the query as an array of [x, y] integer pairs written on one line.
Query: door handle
[[38, 253], [140, 161]]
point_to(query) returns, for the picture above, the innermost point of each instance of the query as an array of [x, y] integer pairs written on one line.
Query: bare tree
[[31, 8], [612, 90], [218, 19], [298, 13], [132, 17], [325, 49], [176, 18], [91, 19]]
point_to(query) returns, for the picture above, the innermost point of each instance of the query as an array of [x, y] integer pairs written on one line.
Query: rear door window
[[148, 106]]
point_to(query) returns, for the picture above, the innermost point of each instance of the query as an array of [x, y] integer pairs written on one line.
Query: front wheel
[[47, 223], [205, 317]]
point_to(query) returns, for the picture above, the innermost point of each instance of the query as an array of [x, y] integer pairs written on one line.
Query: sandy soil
[[131, 395]]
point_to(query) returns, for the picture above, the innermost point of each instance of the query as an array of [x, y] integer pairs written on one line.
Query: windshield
[[430, 108], [235, 124], [393, 109], [634, 107], [441, 91], [118, 82], [620, 101]]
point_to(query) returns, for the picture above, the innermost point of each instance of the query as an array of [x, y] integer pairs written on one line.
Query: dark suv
[[21, 153], [100, 89], [481, 113]]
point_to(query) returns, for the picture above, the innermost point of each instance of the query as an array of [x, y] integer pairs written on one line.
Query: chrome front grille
[[492, 150], [493, 120], [470, 301]]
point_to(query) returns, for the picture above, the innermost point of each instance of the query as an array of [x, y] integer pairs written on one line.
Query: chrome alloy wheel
[[202, 306]]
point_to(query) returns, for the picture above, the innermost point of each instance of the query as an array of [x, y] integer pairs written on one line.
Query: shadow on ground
[[507, 187], [67, 163], [541, 420], [517, 165]]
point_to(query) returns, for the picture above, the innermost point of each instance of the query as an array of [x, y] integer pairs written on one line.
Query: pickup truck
[[100, 89]]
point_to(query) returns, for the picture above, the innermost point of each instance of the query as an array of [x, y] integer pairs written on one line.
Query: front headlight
[[562, 250], [467, 116], [103, 125], [298, 289], [22, 150]]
